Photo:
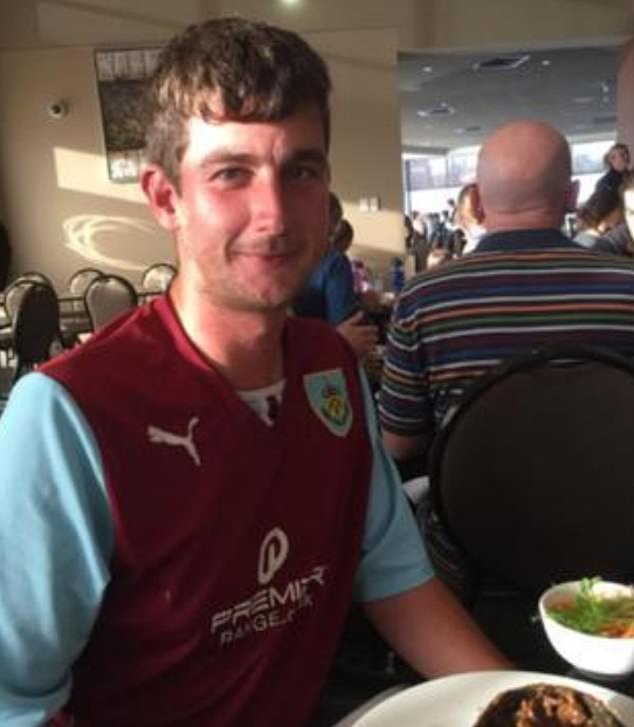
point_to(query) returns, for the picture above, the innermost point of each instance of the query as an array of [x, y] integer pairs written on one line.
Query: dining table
[[367, 672]]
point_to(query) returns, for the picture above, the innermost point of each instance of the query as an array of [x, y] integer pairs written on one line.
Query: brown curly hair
[[230, 68]]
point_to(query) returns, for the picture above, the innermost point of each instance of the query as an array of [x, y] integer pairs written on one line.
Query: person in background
[[362, 277], [416, 240], [330, 295], [599, 214], [505, 298], [468, 218], [619, 240], [397, 274], [451, 207], [617, 162], [205, 489], [438, 256]]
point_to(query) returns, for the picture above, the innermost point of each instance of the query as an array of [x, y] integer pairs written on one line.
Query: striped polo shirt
[[519, 290]]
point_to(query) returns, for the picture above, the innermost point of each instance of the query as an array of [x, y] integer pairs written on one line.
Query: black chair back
[[533, 475], [35, 327]]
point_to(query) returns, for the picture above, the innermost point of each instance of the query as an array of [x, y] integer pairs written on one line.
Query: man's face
[[251, 216]]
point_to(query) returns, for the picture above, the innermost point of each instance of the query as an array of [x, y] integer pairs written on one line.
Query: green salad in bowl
[[592, 612], [590, 623]]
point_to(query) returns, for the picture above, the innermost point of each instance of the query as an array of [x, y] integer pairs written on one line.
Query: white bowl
[[601, 655]]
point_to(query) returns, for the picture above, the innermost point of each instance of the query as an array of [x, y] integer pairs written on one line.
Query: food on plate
[[595, 614], [546, 705]]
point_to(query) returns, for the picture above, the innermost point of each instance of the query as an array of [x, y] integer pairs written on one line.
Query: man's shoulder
[[311, 331], [316, 343]]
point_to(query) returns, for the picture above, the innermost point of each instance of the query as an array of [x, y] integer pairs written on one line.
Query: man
[[329, 293], [620, 239], [173, 550], [526, 285]]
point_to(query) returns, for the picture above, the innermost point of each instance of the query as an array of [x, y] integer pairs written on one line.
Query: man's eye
[[303, 172], [231, 175]]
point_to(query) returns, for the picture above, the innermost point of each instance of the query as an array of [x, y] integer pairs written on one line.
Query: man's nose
[[269, 207]]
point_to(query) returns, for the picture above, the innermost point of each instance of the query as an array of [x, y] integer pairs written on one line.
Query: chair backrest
[[35, 276], [158, 277], [36, 326], [81, 279], [107, 297], [533, 474], [13, 296]]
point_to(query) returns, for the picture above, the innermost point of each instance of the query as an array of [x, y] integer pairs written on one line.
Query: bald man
[[526, 285]]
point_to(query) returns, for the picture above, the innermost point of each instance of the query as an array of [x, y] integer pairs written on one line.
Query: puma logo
[[160, 436]]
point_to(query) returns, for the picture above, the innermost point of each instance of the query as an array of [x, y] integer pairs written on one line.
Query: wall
[[365, 152], [84, 219], [62, 211]]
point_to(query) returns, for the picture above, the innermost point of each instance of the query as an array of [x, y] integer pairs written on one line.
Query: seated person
[[617, 163], [619, 240], [330, 296], [601, 212]]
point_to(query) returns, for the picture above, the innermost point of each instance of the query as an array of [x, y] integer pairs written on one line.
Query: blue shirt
[[329, 294]]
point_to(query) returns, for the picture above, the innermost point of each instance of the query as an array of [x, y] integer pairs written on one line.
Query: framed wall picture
[[121, 79]]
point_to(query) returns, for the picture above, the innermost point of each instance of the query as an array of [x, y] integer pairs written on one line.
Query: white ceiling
[[573, 89]]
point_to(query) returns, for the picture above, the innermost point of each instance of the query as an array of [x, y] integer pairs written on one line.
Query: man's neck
[[538, 219], [246, 347]]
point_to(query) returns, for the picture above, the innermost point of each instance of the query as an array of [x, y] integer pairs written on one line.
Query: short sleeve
[[393, 559], [55, 545], [404, 404]]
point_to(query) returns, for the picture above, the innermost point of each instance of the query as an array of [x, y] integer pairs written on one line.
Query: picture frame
[[122, 75]]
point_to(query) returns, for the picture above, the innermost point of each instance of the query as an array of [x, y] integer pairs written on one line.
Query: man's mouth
[[266, 251]]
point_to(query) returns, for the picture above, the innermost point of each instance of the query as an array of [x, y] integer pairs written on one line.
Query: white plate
[[458, 701]]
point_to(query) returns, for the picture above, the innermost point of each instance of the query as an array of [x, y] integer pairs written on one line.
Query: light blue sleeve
[[55, 545], [393, 559]]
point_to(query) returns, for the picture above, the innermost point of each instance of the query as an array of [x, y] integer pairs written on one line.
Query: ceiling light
[[546, 62], [427, 69], [604, 119], [502, 63], [442, 109], [467, 129]]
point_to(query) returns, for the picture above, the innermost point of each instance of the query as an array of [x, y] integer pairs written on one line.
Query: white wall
[[63, 212]]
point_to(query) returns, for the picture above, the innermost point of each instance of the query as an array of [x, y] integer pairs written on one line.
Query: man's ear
[[572, 193], [476, 204], [162, 196]]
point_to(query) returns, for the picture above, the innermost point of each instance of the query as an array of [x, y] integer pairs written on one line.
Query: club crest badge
[[328, 398]]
